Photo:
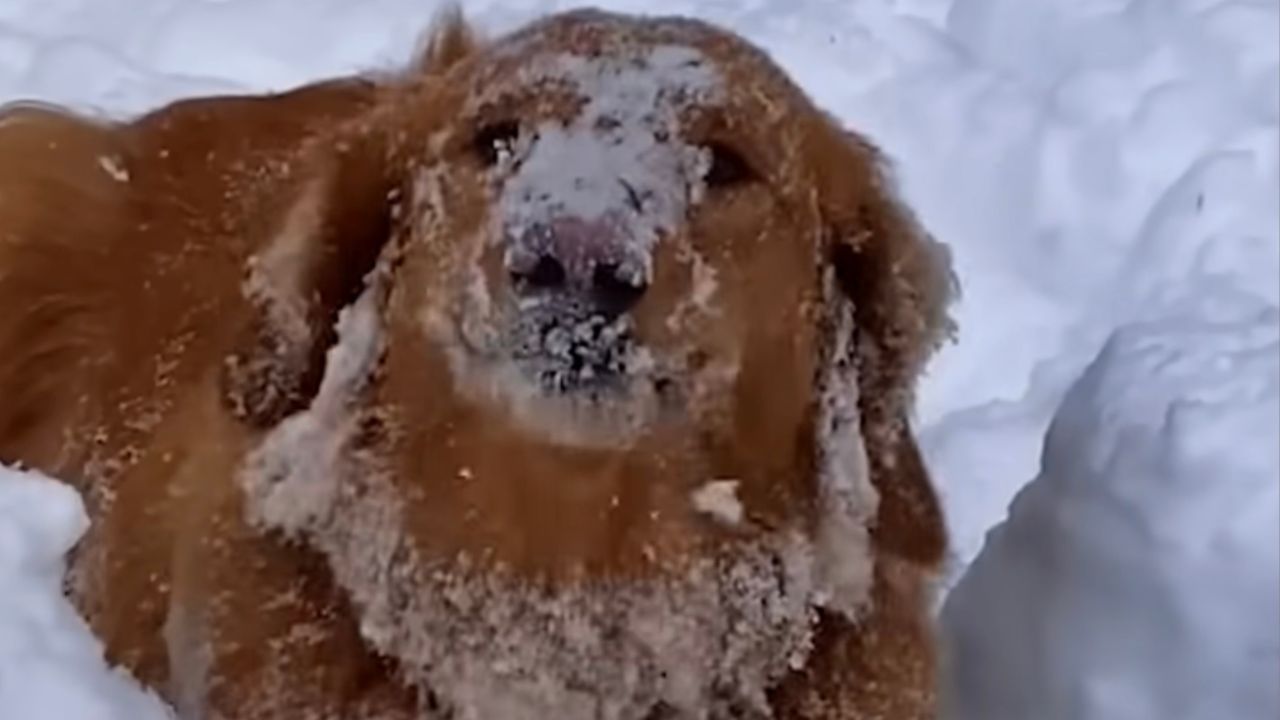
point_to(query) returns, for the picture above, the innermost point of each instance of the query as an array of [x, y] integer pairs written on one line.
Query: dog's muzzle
[[575, 281]]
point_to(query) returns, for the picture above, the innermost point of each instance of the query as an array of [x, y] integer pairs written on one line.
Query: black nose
[[594, 264], [609, 288], [547, 273], [615, 291]]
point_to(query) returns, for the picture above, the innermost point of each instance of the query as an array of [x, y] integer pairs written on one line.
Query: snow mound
[[51, 666], [1137, 578], [1087, 161]]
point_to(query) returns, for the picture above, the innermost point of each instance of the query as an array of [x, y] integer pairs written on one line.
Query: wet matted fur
[[559, 376]]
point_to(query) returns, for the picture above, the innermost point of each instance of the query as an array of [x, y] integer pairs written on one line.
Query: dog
[[560, 375]]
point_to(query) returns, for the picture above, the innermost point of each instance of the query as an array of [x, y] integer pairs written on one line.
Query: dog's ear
[[317, 243], [899, 282], [449, 40]]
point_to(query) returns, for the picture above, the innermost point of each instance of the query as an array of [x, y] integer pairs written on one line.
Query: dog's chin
[[589, 357], [587, 384], [605, 396], [578, 407]]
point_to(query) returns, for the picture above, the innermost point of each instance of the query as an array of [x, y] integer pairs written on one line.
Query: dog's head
[[629, 221], [619, 233], [602, 219]]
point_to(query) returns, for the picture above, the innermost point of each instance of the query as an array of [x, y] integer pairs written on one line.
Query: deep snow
[[1106, 173], [50, 663], [1138, 575]]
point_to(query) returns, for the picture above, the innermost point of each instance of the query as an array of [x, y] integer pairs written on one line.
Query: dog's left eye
[[727, 166], [494, 139]]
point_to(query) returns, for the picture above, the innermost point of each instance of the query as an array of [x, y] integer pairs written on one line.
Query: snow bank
[[1086, 161], [1138, 577], [51, 666]]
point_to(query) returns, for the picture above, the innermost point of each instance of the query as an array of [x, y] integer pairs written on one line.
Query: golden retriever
[[564, 375]]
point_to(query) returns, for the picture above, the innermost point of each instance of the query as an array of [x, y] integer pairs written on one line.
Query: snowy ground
[[1107, 174]]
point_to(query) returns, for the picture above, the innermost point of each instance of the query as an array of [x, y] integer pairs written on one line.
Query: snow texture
[[702, 639], [306, 445], [718, 499], [51, 666], [620, 160], [1138, 575], [1105, 174], [490, 645]]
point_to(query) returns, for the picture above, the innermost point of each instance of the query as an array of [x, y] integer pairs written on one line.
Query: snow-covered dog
[[561, 376]]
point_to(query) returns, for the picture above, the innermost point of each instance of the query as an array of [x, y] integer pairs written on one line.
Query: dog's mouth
[[565, 351], [559, 366]]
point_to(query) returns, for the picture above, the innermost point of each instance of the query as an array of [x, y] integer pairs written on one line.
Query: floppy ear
[[319, 241], [899, 282], [326, 235], [448, 40]]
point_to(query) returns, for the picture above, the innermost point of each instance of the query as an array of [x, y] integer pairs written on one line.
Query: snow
[[51, 666], [1138, 575], [305, 446], [718, 499], [1106, 174], [632, 100]]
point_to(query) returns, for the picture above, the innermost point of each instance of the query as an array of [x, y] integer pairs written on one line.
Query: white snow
[[1106, 173], [112, 167], [51, 666], [718, 499], [630, 101], [1138, 575]]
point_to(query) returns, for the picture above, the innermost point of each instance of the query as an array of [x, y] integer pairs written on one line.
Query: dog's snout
[[589, 260], [614, 290], [546, 273]]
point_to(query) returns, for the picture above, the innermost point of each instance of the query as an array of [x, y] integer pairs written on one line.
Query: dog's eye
[[727, 167], [495, 139]]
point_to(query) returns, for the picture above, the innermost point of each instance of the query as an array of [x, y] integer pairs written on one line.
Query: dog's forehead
[[597, 33], [636, 81], [665, 63]]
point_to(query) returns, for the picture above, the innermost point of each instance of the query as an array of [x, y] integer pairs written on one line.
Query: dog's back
[[120, 247]]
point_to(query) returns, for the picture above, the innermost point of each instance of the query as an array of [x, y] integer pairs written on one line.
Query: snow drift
[[1138, 576]]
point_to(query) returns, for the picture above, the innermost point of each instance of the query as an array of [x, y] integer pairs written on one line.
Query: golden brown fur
[[273, 531]]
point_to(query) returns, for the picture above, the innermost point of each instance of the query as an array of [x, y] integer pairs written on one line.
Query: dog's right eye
[[494, 139]]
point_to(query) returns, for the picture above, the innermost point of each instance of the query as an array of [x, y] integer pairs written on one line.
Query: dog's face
[[619, 228]]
